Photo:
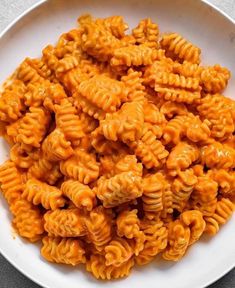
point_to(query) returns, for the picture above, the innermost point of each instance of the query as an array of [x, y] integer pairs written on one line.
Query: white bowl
[[205, 26]]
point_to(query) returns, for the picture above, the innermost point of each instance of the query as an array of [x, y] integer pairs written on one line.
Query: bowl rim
[[6, 30]]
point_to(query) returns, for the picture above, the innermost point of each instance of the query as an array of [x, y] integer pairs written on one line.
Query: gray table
[[9, 276]]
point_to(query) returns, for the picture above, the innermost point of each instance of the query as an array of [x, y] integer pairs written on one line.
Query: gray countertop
[[9, 276]]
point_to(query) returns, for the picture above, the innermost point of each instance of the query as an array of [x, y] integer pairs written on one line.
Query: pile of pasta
[[121, 147]]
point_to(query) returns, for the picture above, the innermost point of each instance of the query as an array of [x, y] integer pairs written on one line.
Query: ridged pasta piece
[[128, 163], [154, 116], [50, 58], [137, 243], [112, 164], [171, 109], [149, 150], [42, 69], [88, 123], [178, 241], [128, 40], [219, 113], [45, 170], [27, 220], [38, 192], [96, 265], [153, 189], [175, 129], [64, 223], [82, 166], [87, 107], [186, 125], [12, 130], [223, 212], [194, 220], [73, 78], [68, 62], [11, 181], [217, 155], [177, 95], [20, 157], [117, 252], [182, 187], [230, 141], [156, 241], [204, 195], [55, 95], [107, 165], [63, 250], [197, 130], [40, 168], [36, 94], [128, 224], [177, 81], [99, 227], [33, 126], [54, 176], [146, 33], [98, 41], [68, 42], [225, 180], [180, 48], [27, 73], [119, 189], [81, 195], [115, 24], [133, 55], [187, 69], [157, 67], [214, 79], [55, 147], [68, 121], [167, 200], [103, 92], [104, 146], [133, 83], [11, 101], [126, 124], [181, 157]]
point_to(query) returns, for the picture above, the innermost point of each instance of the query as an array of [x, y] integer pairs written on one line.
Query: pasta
[[81, 195], [64, 223], [153, 189], [96, 265], [28, 220], [156, 241], [180, 48], [223, 212], [99, 227], [181, 157], [117, 252], [121, 147], [81, 166], [182, 187], [62, 250], [125, 125], [119, 189], [146, 33], [37, 120], [11, 182], [38, 192]]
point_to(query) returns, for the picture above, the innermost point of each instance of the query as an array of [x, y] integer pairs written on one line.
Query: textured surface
[[10, 277]]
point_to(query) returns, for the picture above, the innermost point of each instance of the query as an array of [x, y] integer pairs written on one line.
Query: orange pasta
[[61, 250], [122, 147]]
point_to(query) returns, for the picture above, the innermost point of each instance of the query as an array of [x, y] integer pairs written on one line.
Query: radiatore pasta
[[121, 147]]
